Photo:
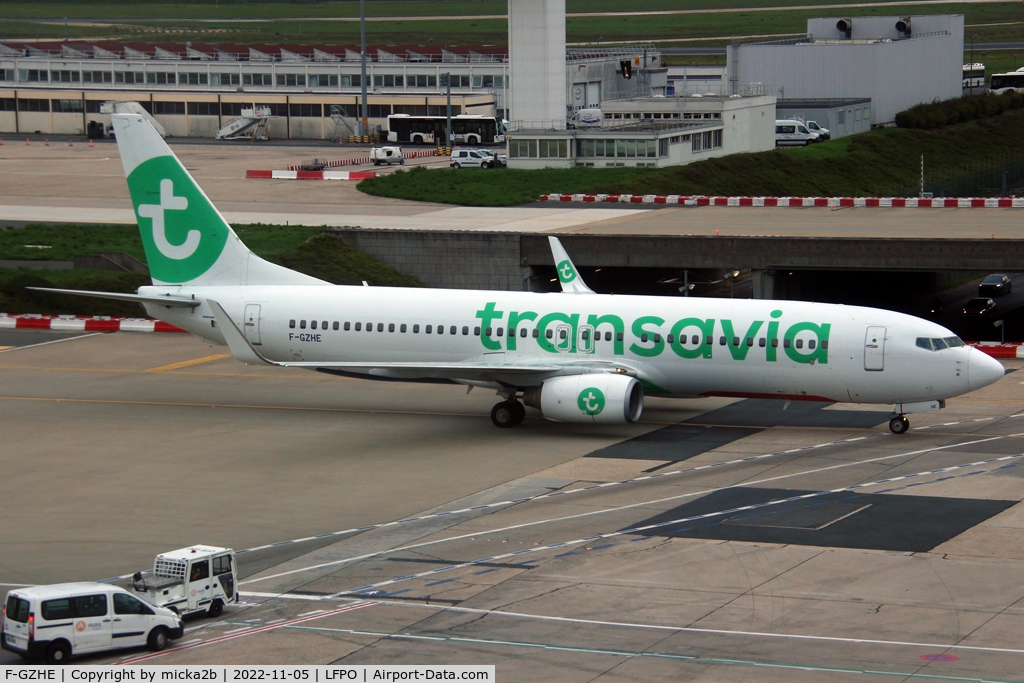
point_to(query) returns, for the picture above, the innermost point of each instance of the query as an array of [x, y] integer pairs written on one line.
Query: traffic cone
[[27, 143], [1, 142], [90, 142], [71, 143], [47, 143]]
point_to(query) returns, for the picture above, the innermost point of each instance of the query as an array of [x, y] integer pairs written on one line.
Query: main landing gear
[[509, 413], [899, 424]]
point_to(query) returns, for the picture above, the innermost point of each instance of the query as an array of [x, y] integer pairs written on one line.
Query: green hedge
[[958, 110]]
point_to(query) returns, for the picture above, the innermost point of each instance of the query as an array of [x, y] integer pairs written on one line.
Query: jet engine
[[602, 398]]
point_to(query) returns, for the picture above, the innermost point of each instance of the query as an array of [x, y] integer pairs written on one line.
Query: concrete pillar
[[536, 44], [764, 284]]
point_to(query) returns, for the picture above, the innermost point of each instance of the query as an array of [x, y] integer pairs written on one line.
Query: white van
[[793, 132], [55, 622], [471, 158], [387, 155]]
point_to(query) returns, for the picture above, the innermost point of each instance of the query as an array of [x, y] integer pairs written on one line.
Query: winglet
[[239, 346], [567, 273]]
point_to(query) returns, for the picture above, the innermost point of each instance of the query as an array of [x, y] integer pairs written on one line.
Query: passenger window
[[476, 331], [762, 342], [695, 340], [335, 325], [799, 343], [90, 606], [415, 329], [380, 327], [487, 332], [824, 343], [710, 340], [369, 327], [562, 334], [323, 325], [721, 341], [429, 329], [200, 570], [735, 341], [455, 330], [402, 328], [359, 327], [500, 331], [786, 342], [522, 332], [312, 325], [775, 343], [57, 609], [440, 329], [657, 338], [750, 341], [536, 333], [619, 336], [302, 324], [465, 330], [129, 604], [607, 336], [549, 334], [391, 327], [643, 337], [221, 565], [811, 343], [670, 338], [348, 326], [291, 324], [511, 331]]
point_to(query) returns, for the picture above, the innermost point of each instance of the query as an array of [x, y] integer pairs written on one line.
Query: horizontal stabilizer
[[170, 301]]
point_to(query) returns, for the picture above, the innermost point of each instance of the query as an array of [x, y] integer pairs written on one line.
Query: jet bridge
[[251, 125]]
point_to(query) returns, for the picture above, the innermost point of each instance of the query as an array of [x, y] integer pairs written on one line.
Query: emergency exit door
[[252, 323], [874, 349]]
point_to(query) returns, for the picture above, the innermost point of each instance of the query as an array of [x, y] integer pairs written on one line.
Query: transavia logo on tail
[[591, 401], [181, 232], [565, 272]]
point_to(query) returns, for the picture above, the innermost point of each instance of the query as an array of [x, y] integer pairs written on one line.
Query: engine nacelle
[[599, 397]]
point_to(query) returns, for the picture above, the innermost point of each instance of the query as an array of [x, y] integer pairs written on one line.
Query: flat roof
[[820, 103]]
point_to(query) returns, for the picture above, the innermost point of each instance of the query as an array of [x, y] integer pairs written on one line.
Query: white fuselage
[[783, 349]]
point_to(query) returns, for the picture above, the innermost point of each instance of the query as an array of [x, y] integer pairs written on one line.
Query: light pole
[[362, 60], [970, 73]]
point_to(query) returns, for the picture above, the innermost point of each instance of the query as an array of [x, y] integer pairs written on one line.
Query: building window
[[225, 79], [160, 78], [34, 105], [411, 109], [97, 77], [260, 80], [7, 74], [66, 106], [553, 149], [388, 81], [291, 80], [306, 110], [169, 108], [323, 81], [422, 81], [522, 149], [202, 108], [7, 104], [129, 77], [716, 138], [194, 79], [32, 75], [378, 111], [442, 110], [663, 147], [65, 76], [349, 81]]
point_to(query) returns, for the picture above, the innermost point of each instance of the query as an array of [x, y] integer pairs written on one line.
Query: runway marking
[[187, 363], [638, 653], [9, 349], [365, 591], [249, 632], [664, 627], [610, 510]]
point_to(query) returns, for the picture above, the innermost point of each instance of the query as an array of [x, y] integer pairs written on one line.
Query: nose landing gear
[[899, 424], [508, 413]]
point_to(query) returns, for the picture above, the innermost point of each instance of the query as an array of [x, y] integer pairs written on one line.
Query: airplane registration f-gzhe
[[576, 356]]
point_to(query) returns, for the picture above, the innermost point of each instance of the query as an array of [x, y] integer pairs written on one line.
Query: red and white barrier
[[71, 323], [354, 161], [833, 202], [311, 175], [1000, 350]]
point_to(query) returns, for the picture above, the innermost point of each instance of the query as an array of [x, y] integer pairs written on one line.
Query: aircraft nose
[[982, 370]]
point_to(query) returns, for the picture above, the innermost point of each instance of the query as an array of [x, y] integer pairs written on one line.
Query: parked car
[[387, 155], [996, 284], [471, 158], [55, 622], [823, 133], [979, 308], [793, 132], [500, 158]]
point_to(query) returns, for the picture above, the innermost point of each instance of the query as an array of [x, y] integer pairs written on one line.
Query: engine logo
[[591, 401]]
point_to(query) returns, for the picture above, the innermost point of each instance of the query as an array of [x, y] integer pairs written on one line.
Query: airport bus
[[974, 75], [1004, 82], [469, 129]]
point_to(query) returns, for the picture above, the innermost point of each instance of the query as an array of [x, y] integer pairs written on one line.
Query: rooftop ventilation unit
[[903, 25], [845, 26]]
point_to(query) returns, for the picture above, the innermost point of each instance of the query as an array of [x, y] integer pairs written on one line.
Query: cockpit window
[[939, 344]]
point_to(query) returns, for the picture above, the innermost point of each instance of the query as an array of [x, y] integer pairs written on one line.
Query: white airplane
[[576, 356]]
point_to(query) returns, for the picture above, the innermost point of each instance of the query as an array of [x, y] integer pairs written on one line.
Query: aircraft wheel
[[503, 414], [899, 425], [519, 410]]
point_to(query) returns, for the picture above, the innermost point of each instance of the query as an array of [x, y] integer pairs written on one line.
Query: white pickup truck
[[199, 578]]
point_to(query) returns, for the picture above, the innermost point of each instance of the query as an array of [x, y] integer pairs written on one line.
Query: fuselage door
[[874, 349], [586, 341], [252, 323], [563, 338]]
